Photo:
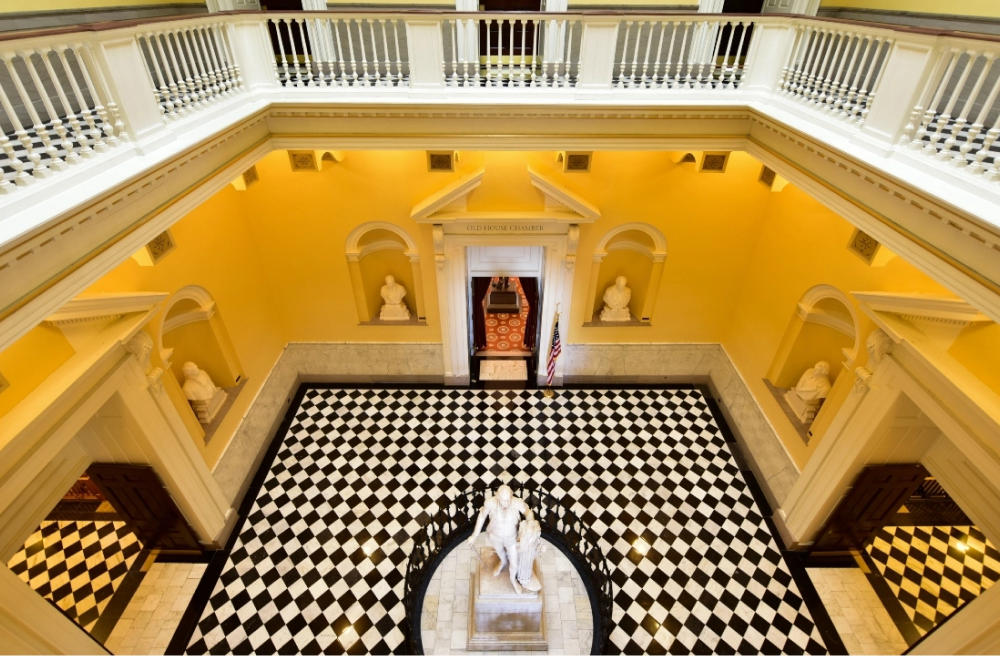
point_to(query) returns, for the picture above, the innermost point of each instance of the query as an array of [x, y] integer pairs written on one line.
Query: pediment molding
[[104, 307]]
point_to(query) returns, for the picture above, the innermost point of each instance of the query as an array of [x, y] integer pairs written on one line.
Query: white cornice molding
[[921, 306], [563, 196], [95, 307], [201, 314], [814, 315], [455, 191], [383, 245], [627, 245]]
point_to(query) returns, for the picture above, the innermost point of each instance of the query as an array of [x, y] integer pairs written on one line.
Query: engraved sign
[[504, 228]]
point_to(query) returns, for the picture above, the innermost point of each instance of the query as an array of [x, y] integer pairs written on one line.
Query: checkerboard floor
[[77, 565], [318, 565], [934, 570]]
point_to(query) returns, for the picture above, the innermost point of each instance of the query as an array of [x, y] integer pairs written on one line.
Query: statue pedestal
[[609, 314], [805, 411], [206, 410], [394, 313], [499, 618]]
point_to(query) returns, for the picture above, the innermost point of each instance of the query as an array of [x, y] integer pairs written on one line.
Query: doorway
[[922, 556], [504, 331]]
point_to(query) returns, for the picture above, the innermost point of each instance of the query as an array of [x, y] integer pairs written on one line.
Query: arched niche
[[638, 252], [375, 250], [825, 327], [192, 330]]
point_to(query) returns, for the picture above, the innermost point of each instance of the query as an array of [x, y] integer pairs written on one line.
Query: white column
[[314, 5], [710, 6], [252, 50], [597, 55], [468, 33], [805, 7], [426, 54], [555, 5], [773, 45]]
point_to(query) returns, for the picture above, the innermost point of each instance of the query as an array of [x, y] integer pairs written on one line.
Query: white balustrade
[[836, 70], [958, 120], [191, 65], [56, 111], [682, 54], [323, 51]]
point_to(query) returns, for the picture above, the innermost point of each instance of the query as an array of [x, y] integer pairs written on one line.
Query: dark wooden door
[[138, 496], [870, 504]]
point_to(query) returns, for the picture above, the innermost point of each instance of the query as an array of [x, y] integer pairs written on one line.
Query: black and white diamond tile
[[77, 565], [318, 566], [934, 570]]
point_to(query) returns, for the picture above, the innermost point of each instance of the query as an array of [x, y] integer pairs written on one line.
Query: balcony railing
[[67, 98]]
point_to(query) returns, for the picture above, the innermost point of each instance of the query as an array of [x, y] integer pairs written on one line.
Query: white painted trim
[[173, 323], [384, 245], [195, 293], [807, 310], [563, 196], [659, 241], [921, 305], [98, 306], [352, 246], [812, 315], [453, 192], [627, 246]]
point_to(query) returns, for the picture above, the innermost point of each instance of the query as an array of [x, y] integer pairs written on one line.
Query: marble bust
[[503, 510], [616, 300], [808, 394], [205, 397], [392, 296]]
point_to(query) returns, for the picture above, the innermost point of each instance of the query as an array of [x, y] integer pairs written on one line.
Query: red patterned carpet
[[505, 332]]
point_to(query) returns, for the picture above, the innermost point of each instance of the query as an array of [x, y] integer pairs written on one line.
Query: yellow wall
[[815, 342], [29, 361], [195, 342], [979, 8], [217, 249], [15, 6], [978, 348], [801, 244]]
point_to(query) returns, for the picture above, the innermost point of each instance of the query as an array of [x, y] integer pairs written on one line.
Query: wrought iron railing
[[560, 526]]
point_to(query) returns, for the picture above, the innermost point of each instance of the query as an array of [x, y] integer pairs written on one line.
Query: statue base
[[394, 313], [500, 619], [206, 410], [609, 314], [805, 411]]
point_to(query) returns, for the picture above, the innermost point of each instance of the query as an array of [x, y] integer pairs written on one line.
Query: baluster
[[655, 79], [821, 94], [370, 80], [399, 61], [377, 77], [816, 80], [876, 71], [832, 91], [181, 95], [75, 133], [684, 58], [185, 80], [635, 54], [977, 166], [711, 57], [200, 75], [788, 70], [350, 48], [294, 52], [21, 178], [111, 123], [194, 76], [85, 147], [738, 70], [621, 66], [175, 90], [524, 36], [284, 58], [667, 79], [165, 97], [41, 169], [489, 61], [452, 80], [812, 59], [511, 56], [52, 147], [536, 27], [342, 81], [963, 116], [566, 53], [234, 76], [207, 55], [808, 44], [725, 58], [945, 117], [387, 81], [851, 92], [643, 79]]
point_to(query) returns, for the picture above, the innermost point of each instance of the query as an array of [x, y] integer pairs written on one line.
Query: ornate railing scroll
[[454, 523]]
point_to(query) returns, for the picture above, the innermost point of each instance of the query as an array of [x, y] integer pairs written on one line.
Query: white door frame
[[453, 292]]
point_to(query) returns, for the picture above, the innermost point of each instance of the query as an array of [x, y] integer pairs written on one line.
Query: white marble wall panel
[[316, 361], [774, 467]]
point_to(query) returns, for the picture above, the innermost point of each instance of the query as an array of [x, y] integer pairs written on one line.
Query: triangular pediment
[[450, 203]]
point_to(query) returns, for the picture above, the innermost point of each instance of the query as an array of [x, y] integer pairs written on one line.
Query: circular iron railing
[[455, 522]]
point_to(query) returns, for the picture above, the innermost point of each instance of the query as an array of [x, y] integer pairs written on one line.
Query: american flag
[[554, 350]]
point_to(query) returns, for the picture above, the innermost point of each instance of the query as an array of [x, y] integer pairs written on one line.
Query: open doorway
[[504, 331], [921, 559]]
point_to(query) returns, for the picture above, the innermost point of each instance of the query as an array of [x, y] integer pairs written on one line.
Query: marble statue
[[529, 547], [808, 394], [392, 295], [205, 397], [503, 510], [616, 300]]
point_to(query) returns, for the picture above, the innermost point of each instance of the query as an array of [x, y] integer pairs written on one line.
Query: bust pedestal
[[394, 313], [804, 410], [206, 410], [611, 314], [499, 618]]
